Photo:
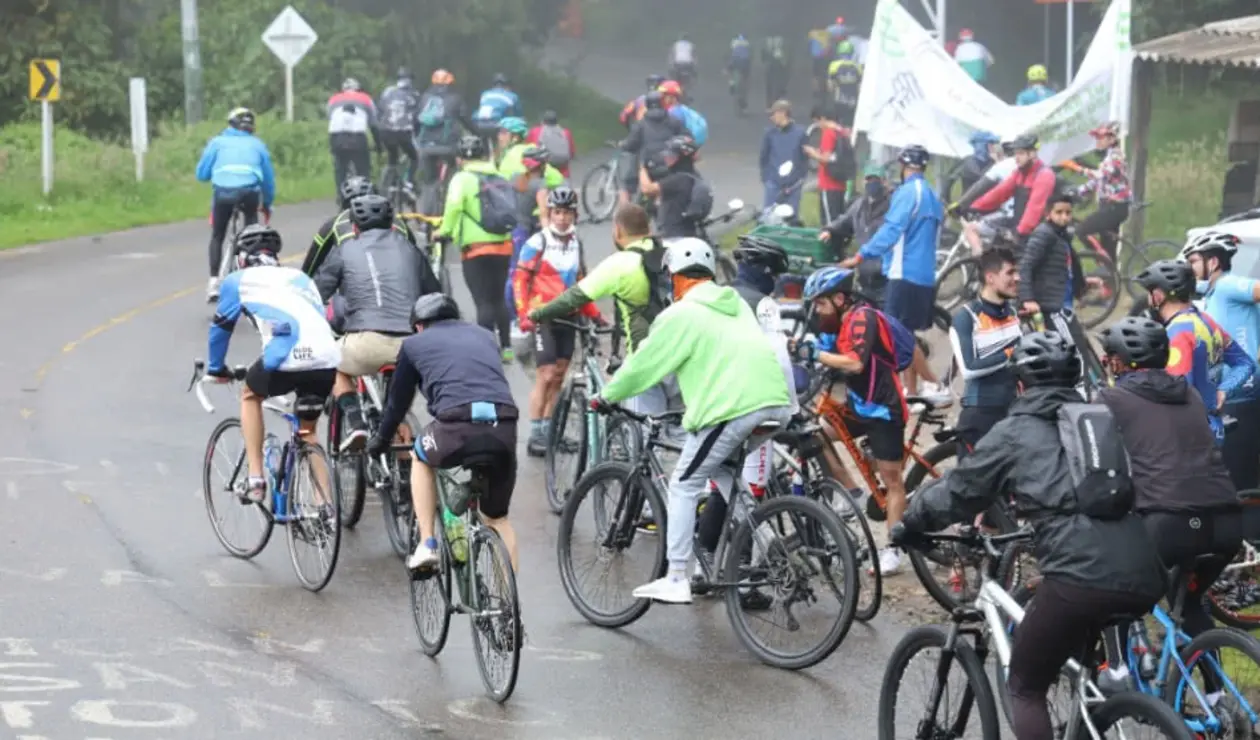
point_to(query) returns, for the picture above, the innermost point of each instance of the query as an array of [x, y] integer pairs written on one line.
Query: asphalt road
[[121, 616]]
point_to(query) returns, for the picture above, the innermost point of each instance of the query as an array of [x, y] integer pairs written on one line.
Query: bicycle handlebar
[[200, 380], [989, 543], [583, 326], [600, 406]]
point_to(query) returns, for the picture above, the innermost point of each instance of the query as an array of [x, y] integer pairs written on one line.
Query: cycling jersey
[[284, 306], [1034, 94], [380, 274], [974, 58], [351, 112], [399, 106], [875, 392], [1030, 188], [461, 218], [1203, 352], [621, 276], [1231, 302], [770, 317], [545, 269], [335, 231], [1111, 180], [981, 335], [907, 240], [497, 103], [238, 160], [997, 173]]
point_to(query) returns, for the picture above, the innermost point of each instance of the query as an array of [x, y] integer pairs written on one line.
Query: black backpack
[[842, 166], [660, 285], [498, 202], [1097, 460], [701, 204]]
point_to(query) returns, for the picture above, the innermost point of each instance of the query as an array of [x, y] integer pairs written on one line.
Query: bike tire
[[865, 548], [925, 638], [631, 488], [430, 589], [920, 562], [509, 639], [353, 496], [594, 192], [1139, 257], [623, 440], [300, 528], [1143, 708], [1022, 594], [967, 272], [825, 521], [249, 550], [1102, 309], [571, 398], [726, 269], [1207, 643], [396, 500]]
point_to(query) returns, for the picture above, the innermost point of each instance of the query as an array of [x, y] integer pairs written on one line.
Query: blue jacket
[[1034, 94], [907, 241], [236, 160], [497, 103], [781, 145]]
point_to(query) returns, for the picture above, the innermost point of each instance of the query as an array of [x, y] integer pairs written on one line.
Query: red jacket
[[533, 136], [1031, 189]]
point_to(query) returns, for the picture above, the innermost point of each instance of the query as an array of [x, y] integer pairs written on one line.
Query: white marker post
[[139, 124], [289, 37], [47, 136], [1071, 36]]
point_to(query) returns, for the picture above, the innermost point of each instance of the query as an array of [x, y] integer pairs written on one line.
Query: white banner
[[913, 92]]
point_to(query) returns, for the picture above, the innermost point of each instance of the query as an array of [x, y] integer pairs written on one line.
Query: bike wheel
[[307, 526], [865, 550], [226, 497], [1138, 258], [496, 627], [565, 460], [726, 269], [623, 440], [959, 282], [610, 539], [350, 481], [976, 694], [396, 496], [1100, 300], [1235, 594], [1126, 711], [1207, 664], [431, 597], [784, 542], [596, 187]]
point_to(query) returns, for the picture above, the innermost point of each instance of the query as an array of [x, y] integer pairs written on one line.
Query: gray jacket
[[380, 275]]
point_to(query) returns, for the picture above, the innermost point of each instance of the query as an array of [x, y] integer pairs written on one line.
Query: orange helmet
[[442, 77], [670, 87]]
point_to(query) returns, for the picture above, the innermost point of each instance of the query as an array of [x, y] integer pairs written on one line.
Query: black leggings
[[1108, 218], [486, 275], [1060, 623], [225, 202], [1242, 445]]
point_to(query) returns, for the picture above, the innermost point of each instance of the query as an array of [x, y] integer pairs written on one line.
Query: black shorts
[[910, 304], [552, 343], [307, 383], [446, 444], [887, 438]]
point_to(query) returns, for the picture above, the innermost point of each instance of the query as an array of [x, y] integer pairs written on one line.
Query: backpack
[[497, 199], [1098, 462], [433, 111], [904, 343], [397, 113], [554, 138], [660, 286], [701, 204], [741, 52], [695, 123], [843, 164]]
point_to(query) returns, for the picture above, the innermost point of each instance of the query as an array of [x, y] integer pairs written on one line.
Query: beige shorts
[[364, 352]]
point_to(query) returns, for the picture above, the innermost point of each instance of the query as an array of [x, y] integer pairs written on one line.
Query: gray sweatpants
[[701, 459]]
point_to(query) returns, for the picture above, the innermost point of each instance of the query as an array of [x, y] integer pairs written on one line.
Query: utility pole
[[192, 62]]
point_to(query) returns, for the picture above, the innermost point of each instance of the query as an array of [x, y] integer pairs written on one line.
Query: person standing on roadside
[[351, 115], [783, 161], [837, 163], [863, 219]]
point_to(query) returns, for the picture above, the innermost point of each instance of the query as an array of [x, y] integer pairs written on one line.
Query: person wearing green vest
[[485, 254], [512, 144]]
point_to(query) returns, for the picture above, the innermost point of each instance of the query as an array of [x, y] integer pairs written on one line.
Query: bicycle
[[985, 623], [227, 260], [572, 415], [393, 186], [1235, 594], [424, 226], [463, 539], [751, 553], [601, 185], [288, 467]]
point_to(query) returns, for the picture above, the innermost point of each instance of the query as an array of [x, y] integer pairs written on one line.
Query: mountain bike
[[576, 431], [601, 186], [298, 497], [967, 640]]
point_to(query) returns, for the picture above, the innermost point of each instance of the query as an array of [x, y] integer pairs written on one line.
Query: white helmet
[[690, 255], [1211, 241]]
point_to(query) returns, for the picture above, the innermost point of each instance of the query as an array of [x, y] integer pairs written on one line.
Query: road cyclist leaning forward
[[299, 352], [456, 366], [731, 383], [340, 227]]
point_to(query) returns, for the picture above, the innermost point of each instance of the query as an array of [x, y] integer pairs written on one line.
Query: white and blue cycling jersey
[[497, 103], [283, 303]]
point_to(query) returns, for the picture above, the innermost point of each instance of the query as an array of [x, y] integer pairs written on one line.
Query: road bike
[[1236, 593], [790, 548], [299, 500], [227, 259], [401, 197], [474, 559], [972, 631], [601, 185]]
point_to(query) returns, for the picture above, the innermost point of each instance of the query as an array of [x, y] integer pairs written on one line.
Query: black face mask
[[875, 189]]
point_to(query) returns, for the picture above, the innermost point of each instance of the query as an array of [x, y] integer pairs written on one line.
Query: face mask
[[1201, 287], [561, 232], [874, 189]]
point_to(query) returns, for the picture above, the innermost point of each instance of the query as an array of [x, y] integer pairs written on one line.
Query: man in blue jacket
[[238, 166], [784, 142], [906, 244], [497, 102]]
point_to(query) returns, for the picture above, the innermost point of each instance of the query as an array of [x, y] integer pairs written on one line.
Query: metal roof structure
[[1231, 43]]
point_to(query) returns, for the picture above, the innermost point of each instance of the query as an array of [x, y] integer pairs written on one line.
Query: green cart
[[805, 254]]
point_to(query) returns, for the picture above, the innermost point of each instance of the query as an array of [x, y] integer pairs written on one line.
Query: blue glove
[[806, 352]]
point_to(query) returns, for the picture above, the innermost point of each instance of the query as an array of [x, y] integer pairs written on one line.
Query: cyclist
[[1110, 184], [634, 110], [511, 144], [1045, 262], [1030, 185], [379, 274], [556, 139], [1094, 569], [351, 115], [1001, 220], [983, 333], [1200, 349], [682, 61], [1038, 86], [456, 366], [684, 199], [549, 264], [299, 353], [738, 67], [442, 112], [1184, 494], [533, 185], [1231, 300], [238, 167], [837, 162], [399, 105], [844, 80], [985, 151], [866, 353], [731, 384], [775, 57], [497, 102], [972, 56], [906, 247], [485, 255], [820, 48], [341, 226], [647, 140], [784, 142]]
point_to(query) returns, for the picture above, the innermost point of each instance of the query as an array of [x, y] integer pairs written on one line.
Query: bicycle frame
[[464, 575], [288, 462]]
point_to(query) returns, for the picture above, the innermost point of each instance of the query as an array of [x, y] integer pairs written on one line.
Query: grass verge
[[95, 190]]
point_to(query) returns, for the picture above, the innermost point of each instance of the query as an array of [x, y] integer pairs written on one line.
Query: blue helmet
[[984, 137], [515, 125], [827, 280]]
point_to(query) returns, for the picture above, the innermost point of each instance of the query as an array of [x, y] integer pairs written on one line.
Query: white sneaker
[[424, 558], [937, 394], [670, 589], [212, 290], [889, 561], [354, 441]]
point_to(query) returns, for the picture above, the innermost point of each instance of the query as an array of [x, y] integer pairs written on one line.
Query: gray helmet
[[1027, 143], [562, 197], [432, 307], [355, 186], [372, 212], [1137, 341], [1046, 359]]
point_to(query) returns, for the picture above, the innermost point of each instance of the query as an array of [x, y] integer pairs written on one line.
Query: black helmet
[[551, 118], [1008, 148], [915, 156], [654, 81], [682, 146], [472, 147], [1046, 358], [372, 212], [404, 73], [1026, 142], [355, 186], [501, 79], [432, 307], [653, 100], [758, 250], [1137, 341], [1176, 279], [258, 244], [562, 197]]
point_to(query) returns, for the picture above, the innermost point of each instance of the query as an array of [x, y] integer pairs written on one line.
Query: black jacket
[[437, 139], [649, 135], [1176, 465], [1021, 459], [1043, 267], [859, 222]]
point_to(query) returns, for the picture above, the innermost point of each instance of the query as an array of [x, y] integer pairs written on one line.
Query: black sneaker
[[537, 446]]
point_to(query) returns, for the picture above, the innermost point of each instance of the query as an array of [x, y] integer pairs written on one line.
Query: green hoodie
[[725, 366]]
